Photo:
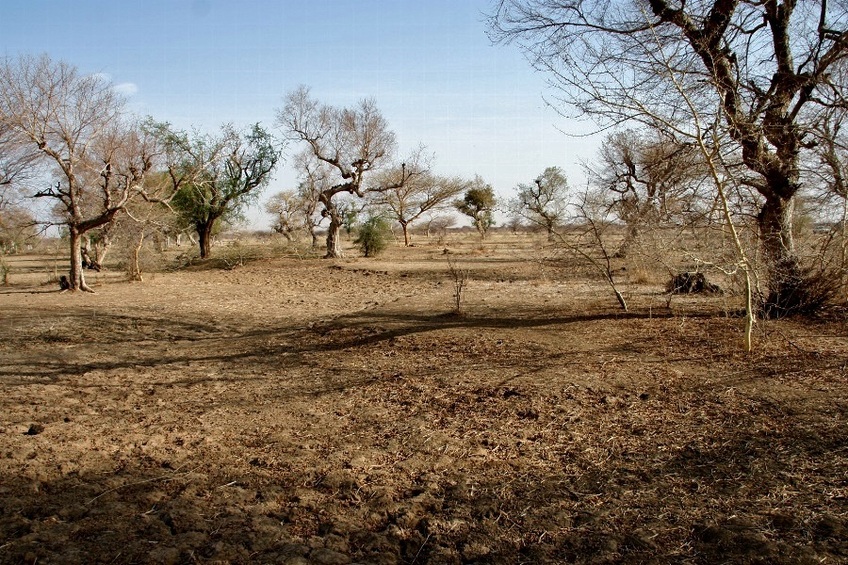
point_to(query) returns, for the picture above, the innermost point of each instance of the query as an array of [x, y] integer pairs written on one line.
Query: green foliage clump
[[374, 236], [479, 204]]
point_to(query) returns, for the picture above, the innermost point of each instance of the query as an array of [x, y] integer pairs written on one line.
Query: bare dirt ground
[[306, 411]]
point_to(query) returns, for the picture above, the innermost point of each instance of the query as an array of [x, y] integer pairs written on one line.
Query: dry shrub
[[5, 269], [460, 282], [641, 274], [804, 295]]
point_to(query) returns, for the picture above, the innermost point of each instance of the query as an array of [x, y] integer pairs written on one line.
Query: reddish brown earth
[[305, 411]]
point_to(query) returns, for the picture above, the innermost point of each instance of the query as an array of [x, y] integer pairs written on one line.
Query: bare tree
[[424, 193], [75, 124], [142, 221], [833, 172], [314, 183], [544, 202], [768, 68], [347, 146], [286, 207], [440, 224], [17, 225], [590, 232], [649, 179]]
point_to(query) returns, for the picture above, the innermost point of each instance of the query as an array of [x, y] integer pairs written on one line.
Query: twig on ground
[[153, 480]]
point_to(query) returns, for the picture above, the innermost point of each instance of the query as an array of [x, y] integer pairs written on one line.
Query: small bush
[[691, 283], [374, 236]]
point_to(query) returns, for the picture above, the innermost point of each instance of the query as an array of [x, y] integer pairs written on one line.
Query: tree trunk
[[784, 278], [204, 235], [843, 259], [405, 227], [550, 228], [77, 274], [334, 244], [100, 249], [630, 238], [481, 229], [135, 267]]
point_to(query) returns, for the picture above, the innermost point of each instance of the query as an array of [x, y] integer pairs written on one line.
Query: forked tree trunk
[[77, 274]]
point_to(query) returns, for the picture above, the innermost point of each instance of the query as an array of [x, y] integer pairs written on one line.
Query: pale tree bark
[[334, 230], [76, 275], [134, 271]]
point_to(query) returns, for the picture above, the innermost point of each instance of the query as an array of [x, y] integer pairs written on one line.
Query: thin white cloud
[[126, 88]]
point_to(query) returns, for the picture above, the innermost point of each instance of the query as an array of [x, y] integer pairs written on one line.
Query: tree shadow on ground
[[127, 338], [714, 498], [469, 466]]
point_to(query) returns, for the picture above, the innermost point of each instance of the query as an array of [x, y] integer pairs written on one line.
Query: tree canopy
[[214, 177], [544, 201], [478, 203]]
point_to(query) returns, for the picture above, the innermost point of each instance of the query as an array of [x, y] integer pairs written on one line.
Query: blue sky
[[427, 63]]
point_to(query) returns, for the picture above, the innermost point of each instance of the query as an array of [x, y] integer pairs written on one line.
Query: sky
[[428, 64]]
